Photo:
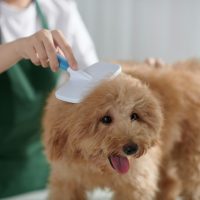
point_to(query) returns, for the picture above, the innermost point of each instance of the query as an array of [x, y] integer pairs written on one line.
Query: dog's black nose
[[130, 149]]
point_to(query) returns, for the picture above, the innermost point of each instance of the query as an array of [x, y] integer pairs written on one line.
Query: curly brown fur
[[80, 147]]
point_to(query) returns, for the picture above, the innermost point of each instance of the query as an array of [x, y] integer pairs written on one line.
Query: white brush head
[[82, 82]]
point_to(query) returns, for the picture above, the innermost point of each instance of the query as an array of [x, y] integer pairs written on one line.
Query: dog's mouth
[[119, 163]]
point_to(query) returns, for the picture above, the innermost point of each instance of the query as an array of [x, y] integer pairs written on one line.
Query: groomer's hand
[[41, 48]]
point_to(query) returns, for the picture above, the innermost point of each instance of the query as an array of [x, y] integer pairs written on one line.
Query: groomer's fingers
[[27, 50], [155, 62], [41, 52], [33, 56], [41, 48], [51, 51], [45, 49], [60, 41]]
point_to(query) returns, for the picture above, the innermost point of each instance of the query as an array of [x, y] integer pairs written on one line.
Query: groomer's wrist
[[18, 49]]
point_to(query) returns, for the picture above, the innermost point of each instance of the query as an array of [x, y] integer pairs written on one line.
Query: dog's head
[[120, 118]]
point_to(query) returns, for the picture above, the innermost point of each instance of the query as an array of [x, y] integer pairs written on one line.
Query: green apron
[[23, 92]]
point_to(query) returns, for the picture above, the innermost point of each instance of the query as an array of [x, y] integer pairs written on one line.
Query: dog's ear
[[55, 134], [55, 141]]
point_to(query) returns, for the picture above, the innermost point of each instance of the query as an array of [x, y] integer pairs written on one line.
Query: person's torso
[[24, 89]]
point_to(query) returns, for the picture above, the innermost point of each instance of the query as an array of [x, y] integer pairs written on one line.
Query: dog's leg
[[67, 192], [65, 188], [187, 155], [134, 194], [169, 184]]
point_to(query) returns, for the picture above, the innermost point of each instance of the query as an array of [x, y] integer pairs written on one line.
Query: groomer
[[29, 43]]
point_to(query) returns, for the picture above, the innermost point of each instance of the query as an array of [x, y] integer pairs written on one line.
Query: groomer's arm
[[41, 48], [8, 56]]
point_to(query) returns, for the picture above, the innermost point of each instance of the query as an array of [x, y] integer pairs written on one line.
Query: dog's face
[[120, 118]]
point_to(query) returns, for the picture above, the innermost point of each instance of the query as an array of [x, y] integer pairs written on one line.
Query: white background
[[136, 29]]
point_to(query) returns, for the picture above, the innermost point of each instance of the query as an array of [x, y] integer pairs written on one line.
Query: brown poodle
[[138, 134]]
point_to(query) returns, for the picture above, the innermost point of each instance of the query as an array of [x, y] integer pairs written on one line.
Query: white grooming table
[[42, 195]]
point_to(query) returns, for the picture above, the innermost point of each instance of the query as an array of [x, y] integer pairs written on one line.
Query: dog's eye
[[106, 119], [134, 116]]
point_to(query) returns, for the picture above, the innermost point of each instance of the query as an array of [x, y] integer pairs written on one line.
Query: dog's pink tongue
[[120, 163]]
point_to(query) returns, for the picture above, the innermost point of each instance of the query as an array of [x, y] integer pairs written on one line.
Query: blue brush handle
[[63, 63]]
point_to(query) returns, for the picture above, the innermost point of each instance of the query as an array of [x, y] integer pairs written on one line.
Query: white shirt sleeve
[[82, 44], [64, 15]]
